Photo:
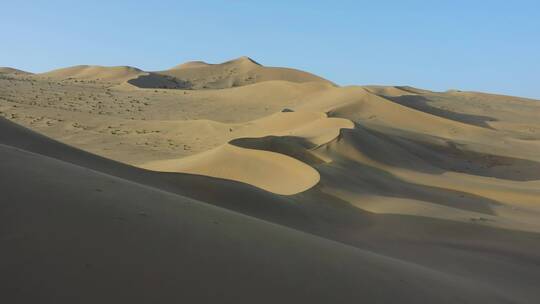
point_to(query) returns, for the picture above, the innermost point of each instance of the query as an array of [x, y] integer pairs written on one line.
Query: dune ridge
[[116, 74], [8, 70], [191, 75], [238, 72], [270, 170]]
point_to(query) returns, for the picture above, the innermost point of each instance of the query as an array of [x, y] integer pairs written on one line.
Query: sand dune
[[251, 161], [8, 70], [154, 187], [267, 170], [190, 75], [393, 91], [116, 74], [94, 218], [238, 72], [190, 64]]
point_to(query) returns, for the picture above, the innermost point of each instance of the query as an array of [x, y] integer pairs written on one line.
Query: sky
[[489, 46]]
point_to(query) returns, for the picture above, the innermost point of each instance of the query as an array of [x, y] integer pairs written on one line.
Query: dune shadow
[[363, 179], [408, 151], [159, 81], [293, 146], [421, 103]]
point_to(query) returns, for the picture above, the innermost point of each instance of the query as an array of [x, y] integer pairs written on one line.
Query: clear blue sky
[[491, 46]]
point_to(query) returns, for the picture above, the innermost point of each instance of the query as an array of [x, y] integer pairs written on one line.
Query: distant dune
[[238, 72], [236, 182], [190, 64], [7, 70], [234, 73], [189, 75], [90, 72]]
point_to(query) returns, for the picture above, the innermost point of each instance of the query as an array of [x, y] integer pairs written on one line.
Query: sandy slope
[[267, 170], [88, 72], [319, 193], [7, 70], [162, 247], [254, 160]]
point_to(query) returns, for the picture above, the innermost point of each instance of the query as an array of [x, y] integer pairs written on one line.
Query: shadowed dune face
[[211, 241], [153, 80], [295, 147], [437, 155], [422, 103], [145, 184], [374, 181]]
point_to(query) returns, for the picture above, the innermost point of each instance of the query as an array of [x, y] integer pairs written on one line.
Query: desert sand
[[241, 183]]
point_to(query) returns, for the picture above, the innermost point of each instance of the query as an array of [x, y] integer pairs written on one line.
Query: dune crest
[[238, 72], [270, 171], [190, 64], [8, 70], [280, 166], [117, 74]]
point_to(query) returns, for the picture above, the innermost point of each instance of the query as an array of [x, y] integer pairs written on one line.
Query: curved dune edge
[[248, 161], [270, 171]]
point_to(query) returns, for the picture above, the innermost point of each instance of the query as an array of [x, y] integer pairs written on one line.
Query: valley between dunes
[[240, 183]]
